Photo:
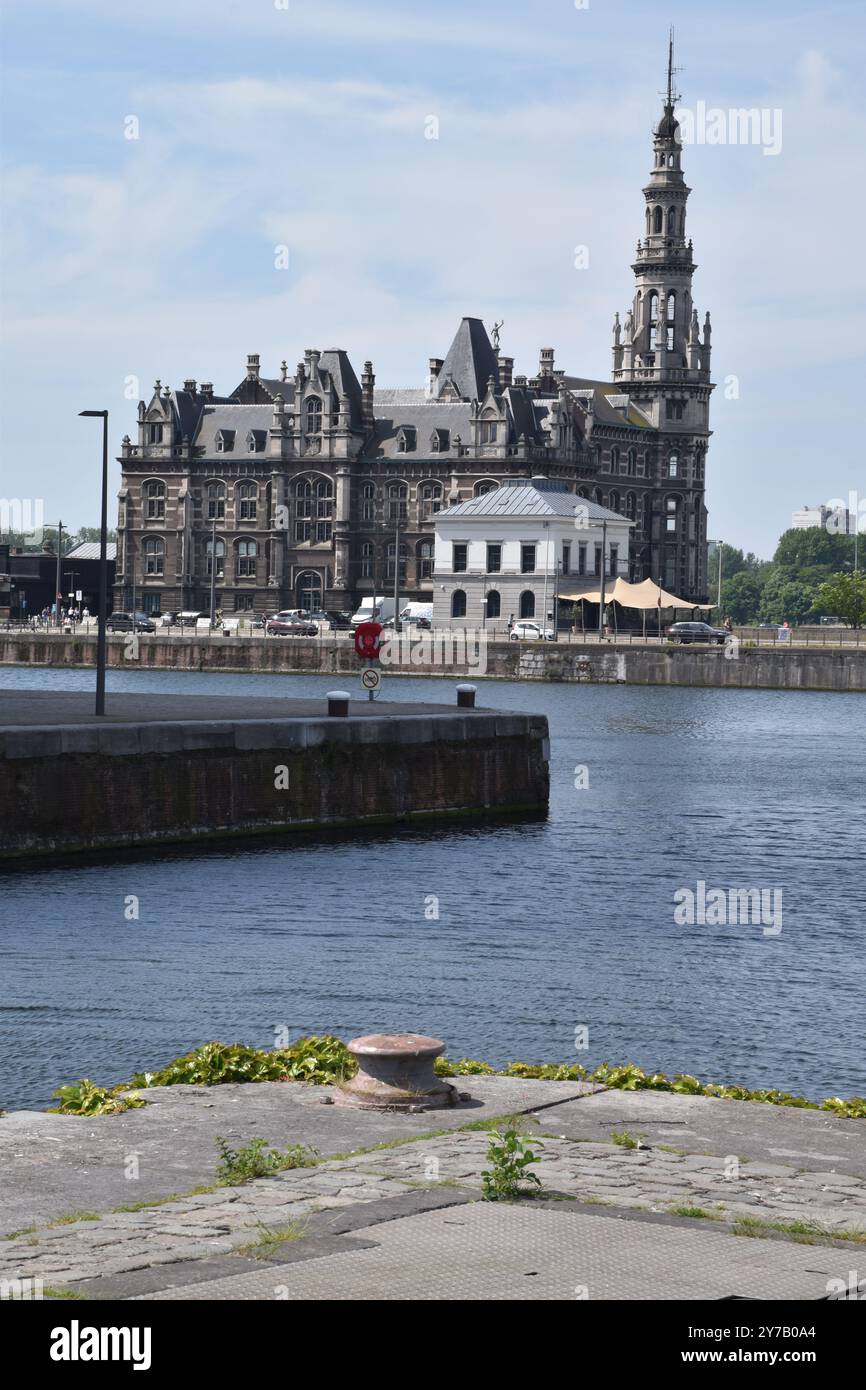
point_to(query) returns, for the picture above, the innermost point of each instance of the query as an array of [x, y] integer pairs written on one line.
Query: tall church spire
[[658, 343]]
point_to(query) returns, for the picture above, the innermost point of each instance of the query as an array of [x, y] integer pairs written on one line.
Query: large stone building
[[305, 489]]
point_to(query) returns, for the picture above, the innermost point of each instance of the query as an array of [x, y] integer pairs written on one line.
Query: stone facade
[[309, 487]]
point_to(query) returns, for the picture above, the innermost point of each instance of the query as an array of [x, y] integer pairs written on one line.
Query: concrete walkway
[[404, 1221]]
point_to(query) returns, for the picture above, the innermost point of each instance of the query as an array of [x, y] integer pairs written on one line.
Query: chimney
[[436, 364], [252, 366], [284, 370], [506, 370], [314, 365], [545, 364], [520, 380], [189, 386], [206, 390], [368, 381]]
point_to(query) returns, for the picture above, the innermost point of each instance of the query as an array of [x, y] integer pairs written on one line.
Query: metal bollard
[[338, 703], [466, 696]]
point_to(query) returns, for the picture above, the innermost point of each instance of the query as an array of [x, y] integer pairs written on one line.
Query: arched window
[[614, 460], [613, 501], [247, 501], [368, 502], [397, 495], [425, 560], [630, 501], [598, 496], [671, 515], [672, 306], [324, 498], [672, 222], [154, 556], [494, 603], [673, 466], [632, 462], [314, 415], [309, 591], [527, 604], [220, 549], [486, 485], [430, 496], [657, 220], [245, 567], [458, 603], [154, 501], [216, 501], [367, 557]]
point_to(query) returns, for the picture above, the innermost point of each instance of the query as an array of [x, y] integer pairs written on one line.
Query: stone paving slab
[[215, 1223], [774, 1134], [652, 1180], [46, 708], [52, 1165], [525, 1252]]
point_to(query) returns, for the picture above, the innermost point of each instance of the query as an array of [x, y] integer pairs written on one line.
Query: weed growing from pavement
[[257, 1160], [509, 1154]]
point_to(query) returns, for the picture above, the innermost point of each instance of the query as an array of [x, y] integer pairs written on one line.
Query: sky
[[420, 162]]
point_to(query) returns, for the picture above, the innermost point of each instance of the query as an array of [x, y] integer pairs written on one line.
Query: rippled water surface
[[542, 926]]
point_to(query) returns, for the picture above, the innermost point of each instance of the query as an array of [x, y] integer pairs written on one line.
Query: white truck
[[373, 609]]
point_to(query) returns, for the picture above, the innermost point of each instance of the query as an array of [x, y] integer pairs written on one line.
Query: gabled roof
[[424, 416], [89, 550], [335, 362], [470, 362], [542, 497]]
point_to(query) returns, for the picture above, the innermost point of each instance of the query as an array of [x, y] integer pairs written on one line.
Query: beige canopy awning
[[647, 594]]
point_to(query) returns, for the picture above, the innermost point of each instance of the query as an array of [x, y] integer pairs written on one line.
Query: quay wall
[[74, 787], [753, 668]]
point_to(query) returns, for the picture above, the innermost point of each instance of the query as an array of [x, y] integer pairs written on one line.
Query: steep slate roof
[[240, 418], [276, 387], [604, 411], [545, 497], [471, 361], [424, 417], [335, 362], [188, 409]]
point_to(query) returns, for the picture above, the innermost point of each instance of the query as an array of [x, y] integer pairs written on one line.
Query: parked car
[[290, 626], [697, 632], [129, 622], [330, 621], [530, 631], [189, 618], [167, 619]]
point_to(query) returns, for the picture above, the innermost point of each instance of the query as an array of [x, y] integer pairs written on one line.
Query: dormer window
[[154, 434], [255, 441], [488, 432], [225, 441], [406, 439], [439, 441]]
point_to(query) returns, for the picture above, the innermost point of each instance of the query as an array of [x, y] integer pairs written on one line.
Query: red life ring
[[368, 640]]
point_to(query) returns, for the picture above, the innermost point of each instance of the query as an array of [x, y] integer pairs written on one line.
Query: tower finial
[[671, 66]]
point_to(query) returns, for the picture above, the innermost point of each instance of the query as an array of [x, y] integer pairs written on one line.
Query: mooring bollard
[[395, 1072], [466, 696], [338, 703]]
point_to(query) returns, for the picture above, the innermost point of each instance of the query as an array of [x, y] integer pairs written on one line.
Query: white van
[[419, 614], [373, 609]]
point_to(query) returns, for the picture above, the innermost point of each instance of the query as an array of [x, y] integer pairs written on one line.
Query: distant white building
[[509, 552], [838, 520]]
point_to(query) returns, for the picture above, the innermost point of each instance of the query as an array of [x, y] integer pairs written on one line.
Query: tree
[[741, 596], [785, 599], [814, 548], [843, 596]]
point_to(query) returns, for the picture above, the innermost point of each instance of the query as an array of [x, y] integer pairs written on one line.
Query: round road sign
[[370, 678]]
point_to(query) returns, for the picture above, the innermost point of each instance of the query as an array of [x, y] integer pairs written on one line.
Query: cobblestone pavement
[[214, 1223]]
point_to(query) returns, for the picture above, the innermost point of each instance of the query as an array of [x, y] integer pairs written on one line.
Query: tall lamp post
[[718, 545], [103, 564]]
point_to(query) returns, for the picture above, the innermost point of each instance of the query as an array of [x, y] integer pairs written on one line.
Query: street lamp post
[[603, 572], [103, 564], [718, 545]]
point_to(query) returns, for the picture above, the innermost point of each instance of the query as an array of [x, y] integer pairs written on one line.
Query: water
[[542, 927]]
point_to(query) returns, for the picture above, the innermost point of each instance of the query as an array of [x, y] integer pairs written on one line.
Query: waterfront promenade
[[723, 1198]]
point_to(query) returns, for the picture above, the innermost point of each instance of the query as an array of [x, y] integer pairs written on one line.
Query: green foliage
[[464, 1067], [741, 596], [509, 1155], [84, 1098], [844, 596], [784, 599], [547, 1071], [257, 1160], [624, 1139], [317, 1060]]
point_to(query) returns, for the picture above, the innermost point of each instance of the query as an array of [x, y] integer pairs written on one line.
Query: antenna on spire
[[671, 96]]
